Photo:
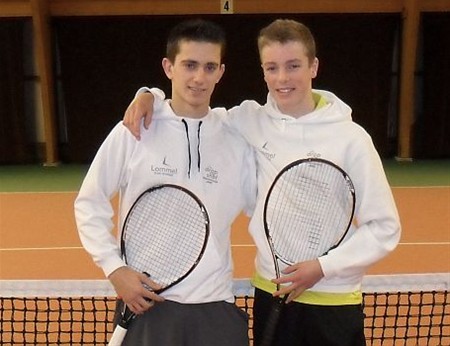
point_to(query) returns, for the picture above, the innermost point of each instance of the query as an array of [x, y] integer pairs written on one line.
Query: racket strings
[[169, 248], [308, 211]]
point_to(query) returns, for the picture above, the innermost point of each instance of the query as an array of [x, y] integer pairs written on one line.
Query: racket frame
[[272, 320], [207, 229], [126, 315], [275, 254]]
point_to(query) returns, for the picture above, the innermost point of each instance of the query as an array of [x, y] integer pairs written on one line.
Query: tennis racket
[[164, 236], [308, 211]]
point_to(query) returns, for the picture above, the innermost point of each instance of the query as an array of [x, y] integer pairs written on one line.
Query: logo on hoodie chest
[[164, 169], [265, 151], [211, 175], [313, 154]]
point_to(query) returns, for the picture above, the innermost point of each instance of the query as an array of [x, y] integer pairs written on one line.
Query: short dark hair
[[288, 30], [197, 30]]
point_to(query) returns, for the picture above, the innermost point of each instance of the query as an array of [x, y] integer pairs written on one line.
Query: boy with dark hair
[[192, 140]]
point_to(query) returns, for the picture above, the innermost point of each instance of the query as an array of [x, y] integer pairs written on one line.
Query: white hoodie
[[203, 155], [328, 133]]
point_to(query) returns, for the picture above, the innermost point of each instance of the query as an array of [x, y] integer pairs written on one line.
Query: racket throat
[[126, 320]]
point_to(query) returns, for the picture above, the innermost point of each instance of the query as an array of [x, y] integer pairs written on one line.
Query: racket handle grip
[[272, 322], [118, 336]]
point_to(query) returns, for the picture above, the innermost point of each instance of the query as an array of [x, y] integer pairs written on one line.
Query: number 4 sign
[[226, 6]]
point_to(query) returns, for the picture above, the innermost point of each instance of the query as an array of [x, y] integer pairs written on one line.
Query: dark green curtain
[[432, 128], [13, 143], [104, 61]]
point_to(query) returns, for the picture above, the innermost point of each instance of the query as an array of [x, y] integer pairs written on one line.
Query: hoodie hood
[[211, 123], [192, 130], [335, 110]]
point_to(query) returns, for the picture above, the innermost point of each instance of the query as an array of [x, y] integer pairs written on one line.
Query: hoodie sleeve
[[241, 118], [249, 181], [377, 228], [93, 208]]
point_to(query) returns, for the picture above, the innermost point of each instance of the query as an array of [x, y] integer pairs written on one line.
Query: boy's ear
[[314, 68], [222, 71], [167, 67]]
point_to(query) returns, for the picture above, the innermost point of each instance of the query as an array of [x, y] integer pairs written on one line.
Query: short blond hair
[[286, 30]]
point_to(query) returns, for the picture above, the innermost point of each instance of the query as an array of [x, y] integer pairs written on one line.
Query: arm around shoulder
[[145, 103]]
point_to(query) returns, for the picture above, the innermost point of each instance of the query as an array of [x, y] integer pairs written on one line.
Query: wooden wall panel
[[15, 8], [314, 6], [44, 59], [136, 7]]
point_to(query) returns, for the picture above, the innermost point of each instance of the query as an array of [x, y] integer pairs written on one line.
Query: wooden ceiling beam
[[22, 8]]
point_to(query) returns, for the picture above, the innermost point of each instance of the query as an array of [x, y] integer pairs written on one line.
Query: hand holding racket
[[297, 278], [164, 236], [135, 289], [308, 211]]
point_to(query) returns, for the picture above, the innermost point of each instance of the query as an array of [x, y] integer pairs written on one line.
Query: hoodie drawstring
[[198, 145], [189, 145], [186, 127]]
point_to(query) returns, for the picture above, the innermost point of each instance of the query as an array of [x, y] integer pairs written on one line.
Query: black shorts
[[310, 325], [174, 324]]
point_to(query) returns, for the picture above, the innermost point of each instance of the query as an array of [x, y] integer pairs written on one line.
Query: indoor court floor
[[38, 237]]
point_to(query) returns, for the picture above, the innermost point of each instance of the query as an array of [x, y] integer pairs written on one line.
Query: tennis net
[[400, 310]]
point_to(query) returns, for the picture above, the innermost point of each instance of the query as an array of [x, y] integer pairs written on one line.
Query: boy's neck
[[305, 107], [188, 111]]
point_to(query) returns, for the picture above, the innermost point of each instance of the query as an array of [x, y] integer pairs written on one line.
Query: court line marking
[[234, 245], [427, 243], [42, 248], [422, 187], [76, 192], [37, 192]]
